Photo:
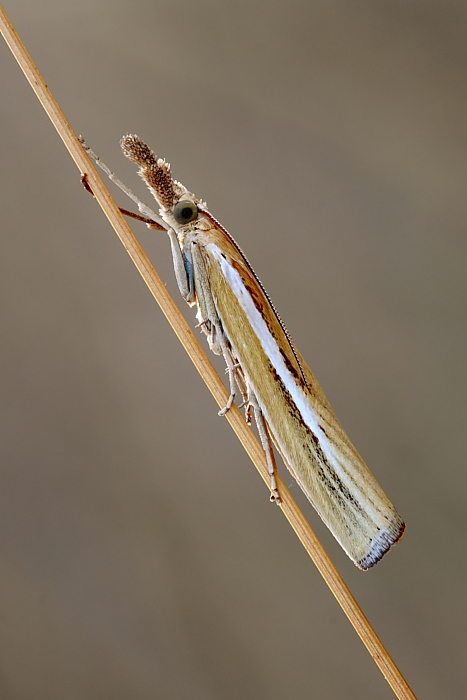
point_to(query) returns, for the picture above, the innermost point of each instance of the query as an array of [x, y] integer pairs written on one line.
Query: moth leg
[[209, 319], [230, 371], [243, 388], [267, 447], [183, 268]]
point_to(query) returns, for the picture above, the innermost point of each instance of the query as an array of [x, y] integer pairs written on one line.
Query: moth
[[264, 367]]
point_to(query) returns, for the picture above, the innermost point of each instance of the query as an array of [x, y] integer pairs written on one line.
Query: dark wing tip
[[388, 537]]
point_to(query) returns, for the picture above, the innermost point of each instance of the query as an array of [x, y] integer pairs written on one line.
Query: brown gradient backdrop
[[140, 557]]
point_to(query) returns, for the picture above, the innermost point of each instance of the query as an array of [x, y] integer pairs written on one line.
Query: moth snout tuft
[[136, 150], [154, 171]]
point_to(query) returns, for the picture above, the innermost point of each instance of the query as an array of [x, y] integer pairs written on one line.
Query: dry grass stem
[[204, 366]]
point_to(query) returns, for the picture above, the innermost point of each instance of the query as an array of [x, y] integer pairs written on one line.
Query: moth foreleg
[[266, 443], [183, 268]]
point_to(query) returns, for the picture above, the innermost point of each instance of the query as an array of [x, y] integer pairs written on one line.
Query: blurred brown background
[[139, 555]]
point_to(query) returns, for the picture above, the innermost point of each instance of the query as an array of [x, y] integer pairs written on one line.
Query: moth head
[[179, 207]]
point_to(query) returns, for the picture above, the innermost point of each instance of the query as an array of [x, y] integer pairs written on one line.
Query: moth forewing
[[305, 430], [241, 323]]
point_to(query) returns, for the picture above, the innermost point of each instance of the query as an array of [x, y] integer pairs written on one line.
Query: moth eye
[[185, 211]]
